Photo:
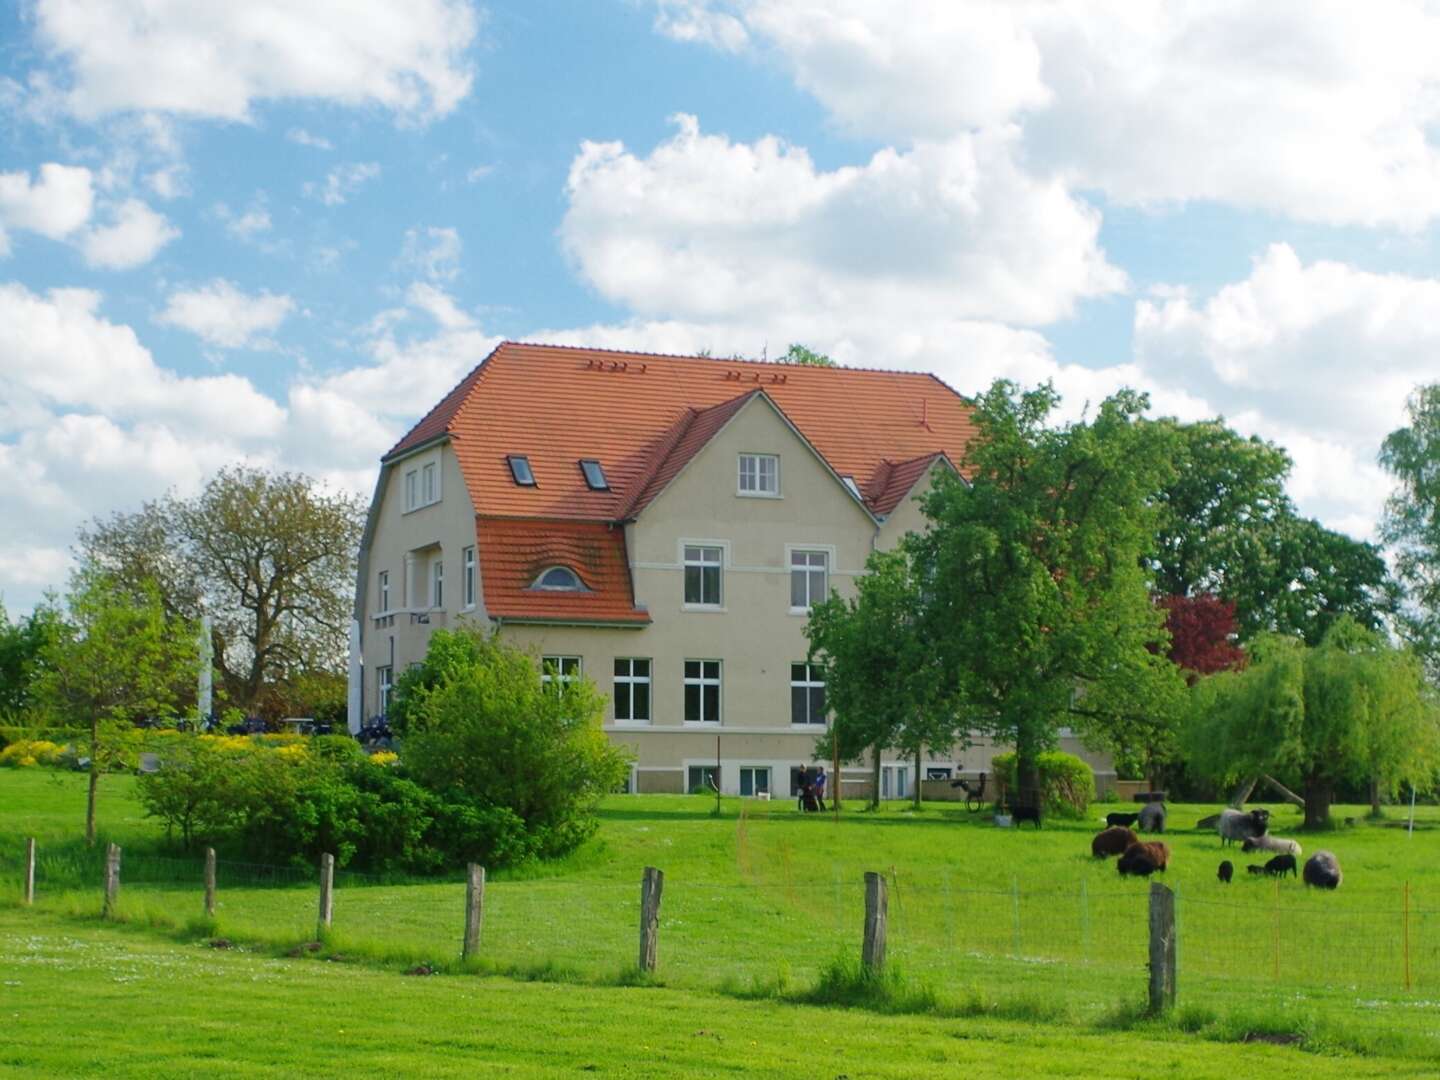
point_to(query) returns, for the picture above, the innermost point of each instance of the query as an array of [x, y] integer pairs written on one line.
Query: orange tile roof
[[643, 416], [515, 551]]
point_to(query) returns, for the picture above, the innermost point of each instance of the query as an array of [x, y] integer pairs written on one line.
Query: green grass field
[[1019, 940]]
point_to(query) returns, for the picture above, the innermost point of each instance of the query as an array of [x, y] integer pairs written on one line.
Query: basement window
[[521, 471], [594, 474]]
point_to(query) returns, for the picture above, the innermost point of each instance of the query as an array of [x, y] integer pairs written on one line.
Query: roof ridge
[[836, 368], [477, 373], [665, 447]]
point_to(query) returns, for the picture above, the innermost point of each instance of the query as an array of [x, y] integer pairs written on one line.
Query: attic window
[[520, 470], [559, 579], [594, 474]]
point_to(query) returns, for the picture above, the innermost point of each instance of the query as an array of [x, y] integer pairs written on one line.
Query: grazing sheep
[[1256, 870], [1323, 870], [1279, 845], [1239, 824], [1118, 818], [1226, 871], [1112, 841], [1143, 859], [1152, 817], [1280, 865], [1025, 813]]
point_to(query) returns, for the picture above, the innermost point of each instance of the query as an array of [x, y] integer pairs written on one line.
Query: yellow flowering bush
[[384, 757], [27, 753]]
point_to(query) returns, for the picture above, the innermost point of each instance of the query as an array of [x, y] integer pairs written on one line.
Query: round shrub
[[1067, 782]]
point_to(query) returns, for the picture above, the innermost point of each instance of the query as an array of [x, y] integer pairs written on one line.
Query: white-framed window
[[894, 781], [437, 583], [702, 691], [632, 690], [760, 474], [703, 575], [467, 580], [430, 483], [809, 578], [412, 489], [559, 579], [702, 779], [384, 680], [559, 671], [754, 780], [938, 772], [383, 591], [807, 694]]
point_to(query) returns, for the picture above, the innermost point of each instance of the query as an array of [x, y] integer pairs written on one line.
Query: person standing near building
[[818, 781]]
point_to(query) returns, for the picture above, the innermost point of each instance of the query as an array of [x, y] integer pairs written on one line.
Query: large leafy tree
[[118, 657], [882, 679], [1411, 526], [22, 651], [1349, 709], [269, 557], [1037, 592], [1313, 577], [1202, 634]]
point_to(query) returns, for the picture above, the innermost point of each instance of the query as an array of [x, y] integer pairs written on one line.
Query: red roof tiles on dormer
[[514, 552]]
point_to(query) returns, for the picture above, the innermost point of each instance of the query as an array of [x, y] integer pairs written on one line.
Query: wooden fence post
[[650, 887], [327, 893], [877, 913], [30, 871], [112, 880], [1162, 948], [209, 882], [474, 910]]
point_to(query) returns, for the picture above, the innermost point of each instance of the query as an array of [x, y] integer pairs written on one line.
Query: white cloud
[[704, 227], [478, 173], [433, 252], [222, 315], [1320, 110], [133, 238], [301, 137], [343, 181], [248, 224], [55, 204], [218, 60], [1319, 357]]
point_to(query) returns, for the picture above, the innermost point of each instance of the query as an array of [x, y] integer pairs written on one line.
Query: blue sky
[[279, 235]]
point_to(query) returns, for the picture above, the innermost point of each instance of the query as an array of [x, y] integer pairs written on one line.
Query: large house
[[660, 525]]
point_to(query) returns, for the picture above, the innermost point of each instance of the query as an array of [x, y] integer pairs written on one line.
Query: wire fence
[[1083, 941]]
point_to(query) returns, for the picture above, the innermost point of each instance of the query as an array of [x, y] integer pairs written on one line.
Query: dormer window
[[521, 471], [594, 474], [559, 579]]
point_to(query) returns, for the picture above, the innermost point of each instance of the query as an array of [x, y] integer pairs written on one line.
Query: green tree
[[22, 649], [1314, 578], [799, 354], [1349, 709], [1411, 525], [882, 682], [269, 556], [491, 729], [119, 658], [1037, 595]]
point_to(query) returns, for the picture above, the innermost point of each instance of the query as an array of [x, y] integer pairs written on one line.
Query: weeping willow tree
[[1351, 709]]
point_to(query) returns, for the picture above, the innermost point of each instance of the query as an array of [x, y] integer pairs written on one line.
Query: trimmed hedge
[[1067, 782]]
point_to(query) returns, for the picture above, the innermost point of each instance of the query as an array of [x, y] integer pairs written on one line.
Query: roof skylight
[[594, 474], [520, 470]]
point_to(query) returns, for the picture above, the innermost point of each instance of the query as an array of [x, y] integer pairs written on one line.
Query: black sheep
[[1112, 841], [1025, 813], [1226, 871], [1143, 859], [1152, 817], [1280, 865], [1256, 870], [1118, 818]]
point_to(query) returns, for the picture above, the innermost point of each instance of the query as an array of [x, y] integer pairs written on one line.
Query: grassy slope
[[763, 903]]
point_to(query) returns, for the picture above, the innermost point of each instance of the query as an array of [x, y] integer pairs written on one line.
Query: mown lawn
[[758, 901]]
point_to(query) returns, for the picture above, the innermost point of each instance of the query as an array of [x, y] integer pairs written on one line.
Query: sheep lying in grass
[[1118, 818], [1323, 871], [1112, 841], [1152, 817], [1240, 824], [1143, 859], [1279, 845]]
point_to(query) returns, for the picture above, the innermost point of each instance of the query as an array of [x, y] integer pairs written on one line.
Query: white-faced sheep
[[1276, 844], [1239, 824], [1323, 871], [1152, 817]]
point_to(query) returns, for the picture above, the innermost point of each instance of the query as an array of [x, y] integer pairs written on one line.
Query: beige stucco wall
[[441, 530]]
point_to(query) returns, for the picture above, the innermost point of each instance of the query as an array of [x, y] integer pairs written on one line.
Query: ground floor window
[[632, 691], [754, 780], [702, 778], [807, 694], [937, 772], [384, 679], [560, 670], [702, 691], [894, 781]]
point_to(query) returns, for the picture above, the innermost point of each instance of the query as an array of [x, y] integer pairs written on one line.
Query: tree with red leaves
[[1202, 634]]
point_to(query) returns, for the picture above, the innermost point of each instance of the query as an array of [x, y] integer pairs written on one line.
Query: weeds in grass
[[846, 981]]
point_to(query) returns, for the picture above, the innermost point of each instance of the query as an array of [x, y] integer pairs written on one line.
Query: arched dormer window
[[559, 579]]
